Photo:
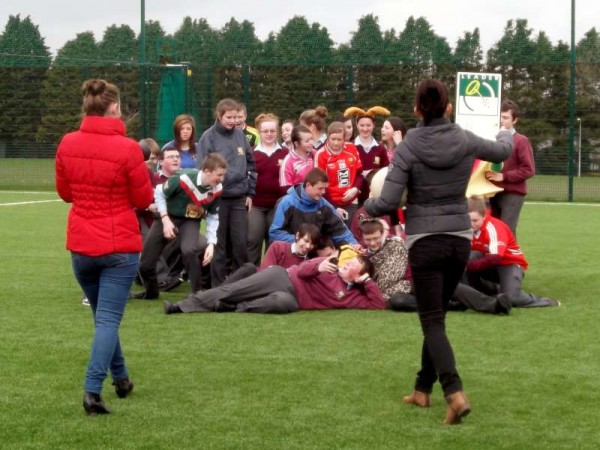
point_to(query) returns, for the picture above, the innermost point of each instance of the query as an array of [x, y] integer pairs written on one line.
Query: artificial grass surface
[[36, 174], [327, 379]]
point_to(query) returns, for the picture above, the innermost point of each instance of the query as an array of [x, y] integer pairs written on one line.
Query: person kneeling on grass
[[314, 284], [497, 258]]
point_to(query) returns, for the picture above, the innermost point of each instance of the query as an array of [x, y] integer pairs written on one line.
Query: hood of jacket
[[302, 197]]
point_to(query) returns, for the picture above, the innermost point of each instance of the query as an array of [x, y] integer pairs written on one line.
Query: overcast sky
[[60, 20]]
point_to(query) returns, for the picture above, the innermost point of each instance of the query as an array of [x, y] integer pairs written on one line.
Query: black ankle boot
[[123, 387], [171, 308], [93, 404]]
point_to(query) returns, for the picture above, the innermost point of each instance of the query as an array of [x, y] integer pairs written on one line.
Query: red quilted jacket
[[102, 173]]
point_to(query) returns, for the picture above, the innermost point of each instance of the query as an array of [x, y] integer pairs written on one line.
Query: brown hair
[[214, 161], [311, 230], [180, 121], [266, 117], [477, 204], [98, 95], [295, 136], [345, 119], [315, 116], [335, 127], [149, 147], [227, 104], [397, 125], [367, 265], [371, 225], [509, 105], [431, 99], [315, 176], [166, 148]]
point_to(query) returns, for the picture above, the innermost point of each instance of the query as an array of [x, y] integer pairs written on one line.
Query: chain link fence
[[40, 98]]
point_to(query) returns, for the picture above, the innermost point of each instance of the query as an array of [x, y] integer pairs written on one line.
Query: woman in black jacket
[[433, 163]]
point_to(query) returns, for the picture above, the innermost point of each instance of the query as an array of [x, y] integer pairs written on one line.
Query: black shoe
[[455, 305], [503, 304], [93, 404], [170, 284], [123, 387], [171, 308], [144, 295]]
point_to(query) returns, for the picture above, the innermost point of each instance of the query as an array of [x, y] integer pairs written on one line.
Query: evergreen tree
[[511, 56], [75, 62], [366, 52], [468, 53], [299, 76], [197, 43], [24, 62], [240, 49], [588, 97]]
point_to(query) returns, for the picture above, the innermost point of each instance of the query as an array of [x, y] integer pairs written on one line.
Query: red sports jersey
[[495, 238], [342, 169]]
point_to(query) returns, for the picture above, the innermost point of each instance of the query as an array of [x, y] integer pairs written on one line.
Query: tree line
[[293, 69]]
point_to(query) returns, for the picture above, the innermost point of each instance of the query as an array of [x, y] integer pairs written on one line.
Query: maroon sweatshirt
[[267, 181], [280, 253], [519, 167], [324, 290]]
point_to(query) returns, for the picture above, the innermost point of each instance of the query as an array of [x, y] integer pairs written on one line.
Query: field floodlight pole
[[571, 103], [144, 125]]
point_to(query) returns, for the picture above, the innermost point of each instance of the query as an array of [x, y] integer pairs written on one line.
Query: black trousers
[[437, 263], [189, 242], [231, 250]]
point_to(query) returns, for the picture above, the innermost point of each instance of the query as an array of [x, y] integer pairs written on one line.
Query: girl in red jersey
[[342, 164], [372, 154]]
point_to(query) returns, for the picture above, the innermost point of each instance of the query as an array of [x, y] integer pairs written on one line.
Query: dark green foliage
[[295, 68], [24, 62]]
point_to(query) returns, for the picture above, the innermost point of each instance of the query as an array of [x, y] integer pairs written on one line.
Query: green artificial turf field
[[328, 379]]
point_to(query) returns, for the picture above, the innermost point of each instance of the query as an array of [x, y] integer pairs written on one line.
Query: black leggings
[[437, 263]]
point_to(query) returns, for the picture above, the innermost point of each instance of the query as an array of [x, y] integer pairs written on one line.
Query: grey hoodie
[[434, 164], [240, 178]]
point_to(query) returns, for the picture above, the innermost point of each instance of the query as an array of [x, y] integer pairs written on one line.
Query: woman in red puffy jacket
[[102, 174]]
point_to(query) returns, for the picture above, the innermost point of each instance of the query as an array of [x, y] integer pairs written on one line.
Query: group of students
[[260, 171], [301, 197], [276, 174]]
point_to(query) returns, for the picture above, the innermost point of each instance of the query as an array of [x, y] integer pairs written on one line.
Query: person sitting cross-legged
[[314, 284]]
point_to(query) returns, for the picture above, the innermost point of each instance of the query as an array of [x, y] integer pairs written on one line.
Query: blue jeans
[[106, 281]]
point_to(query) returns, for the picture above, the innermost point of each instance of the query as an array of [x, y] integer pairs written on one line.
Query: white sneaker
[[84, 300]]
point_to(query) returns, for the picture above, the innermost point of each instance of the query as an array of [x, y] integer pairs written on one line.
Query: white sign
[[478, 100]]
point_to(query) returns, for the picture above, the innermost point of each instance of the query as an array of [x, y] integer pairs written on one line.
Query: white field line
[[28, 203], [563, 204], [28, 192]]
